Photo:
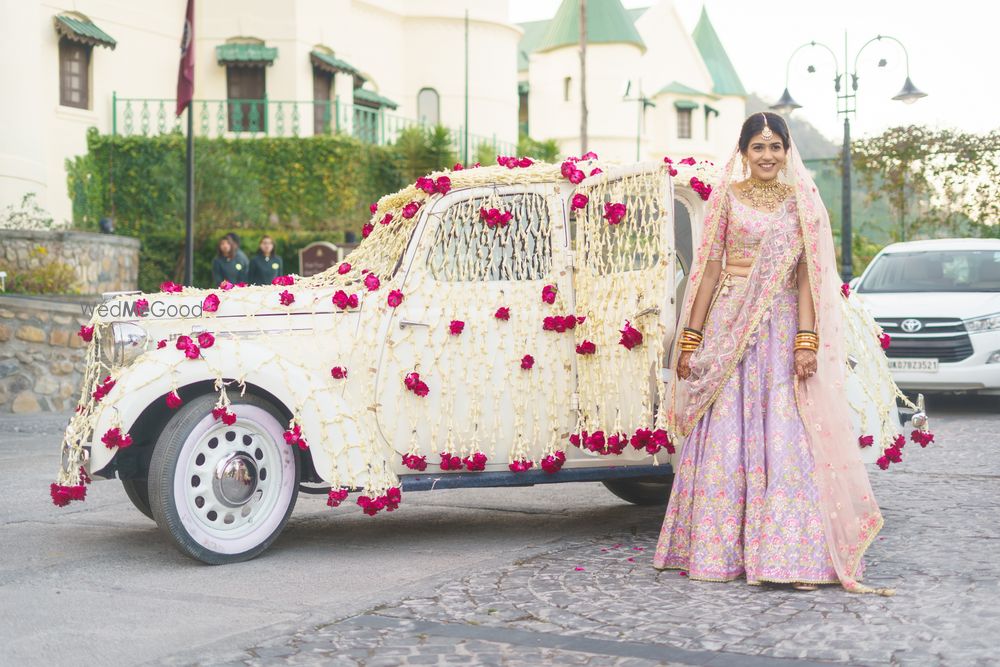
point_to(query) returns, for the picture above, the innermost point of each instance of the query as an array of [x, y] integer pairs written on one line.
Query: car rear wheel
[[222, 493], [137, 491], [643, 491]]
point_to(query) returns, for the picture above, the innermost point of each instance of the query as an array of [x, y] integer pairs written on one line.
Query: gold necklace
[[765, 195]]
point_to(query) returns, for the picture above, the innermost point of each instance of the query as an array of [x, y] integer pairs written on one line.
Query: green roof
[[686, 104], [724, 77], [607, 23], [80, 29], [534, 31], [327, 62], [248, 54], [372, 98], [677, 88]]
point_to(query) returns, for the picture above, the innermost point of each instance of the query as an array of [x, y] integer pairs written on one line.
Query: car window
[[630, 245], [934, 271], [466, 248]]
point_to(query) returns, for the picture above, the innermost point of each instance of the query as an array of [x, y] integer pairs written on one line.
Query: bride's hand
[[684, 365], [805, 363]]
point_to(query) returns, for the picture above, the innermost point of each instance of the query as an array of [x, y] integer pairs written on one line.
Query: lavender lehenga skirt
[[744, 502]]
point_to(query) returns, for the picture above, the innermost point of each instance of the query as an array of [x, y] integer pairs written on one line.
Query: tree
[[935, 181], [425, 149]]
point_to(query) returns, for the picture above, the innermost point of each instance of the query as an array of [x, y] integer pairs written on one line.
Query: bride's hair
[[755, 123]]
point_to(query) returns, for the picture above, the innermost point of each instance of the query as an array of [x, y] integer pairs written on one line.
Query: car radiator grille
[[944, 339]]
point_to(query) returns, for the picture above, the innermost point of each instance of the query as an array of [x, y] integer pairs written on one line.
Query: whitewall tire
[[222, 494]]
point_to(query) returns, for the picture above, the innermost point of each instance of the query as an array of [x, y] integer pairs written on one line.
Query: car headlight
[[122, 342], [988, 323]]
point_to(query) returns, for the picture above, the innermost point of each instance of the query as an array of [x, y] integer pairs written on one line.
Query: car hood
[[963, 305]]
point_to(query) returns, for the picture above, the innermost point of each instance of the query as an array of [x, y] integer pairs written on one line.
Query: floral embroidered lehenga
[[769, 484]]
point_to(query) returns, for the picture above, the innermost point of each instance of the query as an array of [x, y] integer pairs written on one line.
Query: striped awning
[[78, 28]]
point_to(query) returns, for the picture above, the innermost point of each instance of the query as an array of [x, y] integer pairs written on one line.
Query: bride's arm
[[805, 360], [699, 309]]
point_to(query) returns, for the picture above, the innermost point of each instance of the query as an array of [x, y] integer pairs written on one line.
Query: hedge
[[298, 190]]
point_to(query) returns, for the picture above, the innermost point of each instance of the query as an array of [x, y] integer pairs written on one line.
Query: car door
[[624, 286], [462, 268]]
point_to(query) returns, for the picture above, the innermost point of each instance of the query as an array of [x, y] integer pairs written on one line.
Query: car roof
[[943, 244]]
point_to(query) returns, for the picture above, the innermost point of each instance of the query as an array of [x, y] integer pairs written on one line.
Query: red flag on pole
[[185, 73]]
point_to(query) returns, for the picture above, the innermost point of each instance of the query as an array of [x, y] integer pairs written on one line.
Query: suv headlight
[[988, 323], [122, 342]]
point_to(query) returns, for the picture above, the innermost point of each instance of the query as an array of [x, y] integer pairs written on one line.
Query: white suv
[[939, 300]]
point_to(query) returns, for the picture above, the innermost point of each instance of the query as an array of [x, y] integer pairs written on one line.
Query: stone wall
[[41, 357], [102, 262]]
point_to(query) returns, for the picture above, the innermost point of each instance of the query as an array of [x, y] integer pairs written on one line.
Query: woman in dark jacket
[[229, 264], [265, 266]]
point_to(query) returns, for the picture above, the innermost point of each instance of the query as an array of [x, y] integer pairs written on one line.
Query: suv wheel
[[222, 494], [137, 491]]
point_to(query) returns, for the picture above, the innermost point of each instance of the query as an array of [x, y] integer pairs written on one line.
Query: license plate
[[922, 365]]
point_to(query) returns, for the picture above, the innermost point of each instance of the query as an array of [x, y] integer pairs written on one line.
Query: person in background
[[227, 265], [241, 257], [265, 266]]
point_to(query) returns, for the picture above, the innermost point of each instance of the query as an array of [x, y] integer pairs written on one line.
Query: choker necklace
[[765, 195]]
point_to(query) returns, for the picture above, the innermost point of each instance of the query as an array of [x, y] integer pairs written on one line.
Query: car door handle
[[646, 311], [410, 323]]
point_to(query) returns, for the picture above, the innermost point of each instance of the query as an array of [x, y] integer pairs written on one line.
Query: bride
[[769, 483]]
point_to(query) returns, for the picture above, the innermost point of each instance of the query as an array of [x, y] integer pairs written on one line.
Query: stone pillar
[[343, 88], [28, 101]]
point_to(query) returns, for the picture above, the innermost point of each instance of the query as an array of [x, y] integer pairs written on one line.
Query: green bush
[[298, 190], [51, 277]]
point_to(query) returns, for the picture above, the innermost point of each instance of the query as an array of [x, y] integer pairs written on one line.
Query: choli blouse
[[742, 228]]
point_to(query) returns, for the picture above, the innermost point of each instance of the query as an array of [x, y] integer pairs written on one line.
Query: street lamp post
[[642, 102], [846, 105]]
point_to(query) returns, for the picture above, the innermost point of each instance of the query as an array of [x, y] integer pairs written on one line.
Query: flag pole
[[189, 212]]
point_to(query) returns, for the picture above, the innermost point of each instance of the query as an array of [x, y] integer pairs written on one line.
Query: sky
[[954, 51]]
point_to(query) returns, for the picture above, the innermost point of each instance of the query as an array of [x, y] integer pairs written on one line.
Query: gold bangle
[[806, 347]]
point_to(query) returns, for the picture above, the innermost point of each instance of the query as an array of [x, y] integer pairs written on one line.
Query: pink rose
[[367, 229], [688, 161], [205, 339], [426, 184], [845, 289], [344, 268], [442, 185], [170, 286], [527, 362], [579, 200], [614, 212], [549, 294], [86, 333], [410, 209], [335, 497], [386, 219], [373, 207], [414, 384], [372, 282], [866, 441], [338, 372], [286, 298], [395, 298], [414, 462], [174, 400], [210, 304], [885, 340], [503, 313], [586, 347], [631, 337], [456, 327], [476, 462]]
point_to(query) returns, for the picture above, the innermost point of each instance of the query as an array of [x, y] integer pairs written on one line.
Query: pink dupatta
[[851, 517]]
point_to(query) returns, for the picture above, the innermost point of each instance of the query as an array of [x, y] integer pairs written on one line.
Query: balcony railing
[[239, 118]]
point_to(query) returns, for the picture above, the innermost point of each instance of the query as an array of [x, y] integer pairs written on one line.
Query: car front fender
[[340, 443]]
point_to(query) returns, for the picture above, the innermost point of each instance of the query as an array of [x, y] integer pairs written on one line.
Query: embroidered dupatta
[[850, 515]]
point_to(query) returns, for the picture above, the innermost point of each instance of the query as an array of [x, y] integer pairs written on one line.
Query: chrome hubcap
[[235, 480]]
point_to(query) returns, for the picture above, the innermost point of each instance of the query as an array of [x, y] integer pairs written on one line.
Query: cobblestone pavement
[[597, 601]]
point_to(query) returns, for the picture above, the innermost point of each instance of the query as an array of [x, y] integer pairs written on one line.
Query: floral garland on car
[[612, 339]]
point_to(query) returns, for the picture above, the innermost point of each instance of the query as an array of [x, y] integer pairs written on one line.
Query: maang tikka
[[766, 134]]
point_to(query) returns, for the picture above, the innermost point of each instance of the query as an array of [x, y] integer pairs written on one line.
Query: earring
[[744, 167]]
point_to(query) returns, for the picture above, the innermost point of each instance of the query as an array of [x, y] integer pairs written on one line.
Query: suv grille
[[941, 338]]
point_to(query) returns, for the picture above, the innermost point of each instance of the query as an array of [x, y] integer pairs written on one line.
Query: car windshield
[[934, 271]]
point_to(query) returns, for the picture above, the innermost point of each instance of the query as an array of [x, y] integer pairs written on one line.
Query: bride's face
[[766, 158]]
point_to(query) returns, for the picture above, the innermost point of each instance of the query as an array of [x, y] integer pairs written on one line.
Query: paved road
[[491, 577]]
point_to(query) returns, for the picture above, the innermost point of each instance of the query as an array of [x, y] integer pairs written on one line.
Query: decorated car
[[498, 326]]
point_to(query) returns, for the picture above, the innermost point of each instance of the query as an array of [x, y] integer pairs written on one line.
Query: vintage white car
[[499, 326]]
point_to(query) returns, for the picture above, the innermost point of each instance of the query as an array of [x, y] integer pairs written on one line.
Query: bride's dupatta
[[851, 517]]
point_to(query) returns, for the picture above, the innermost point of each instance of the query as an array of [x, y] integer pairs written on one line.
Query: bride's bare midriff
[[738, 268]]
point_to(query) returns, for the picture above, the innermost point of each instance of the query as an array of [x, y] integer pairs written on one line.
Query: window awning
[[80, 29], [329, 63], [245, 54], [685, 104], [372, 99]]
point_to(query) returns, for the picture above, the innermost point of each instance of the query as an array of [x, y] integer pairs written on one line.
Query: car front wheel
[[645, 491], [222, 493]]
